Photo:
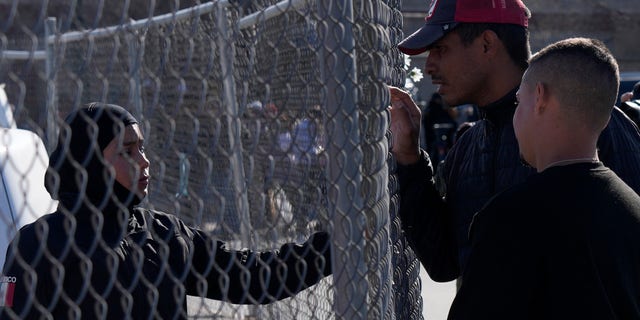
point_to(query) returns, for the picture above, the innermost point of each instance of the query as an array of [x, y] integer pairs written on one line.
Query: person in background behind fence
[[478, 52], [439, 128], [100, 255], [564, 244], [631, 104], [308, 137]]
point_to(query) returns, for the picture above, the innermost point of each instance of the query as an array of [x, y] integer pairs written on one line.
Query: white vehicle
[[23, 163]]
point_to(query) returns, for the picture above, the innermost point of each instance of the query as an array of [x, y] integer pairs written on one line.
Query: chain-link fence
[[264, 121]]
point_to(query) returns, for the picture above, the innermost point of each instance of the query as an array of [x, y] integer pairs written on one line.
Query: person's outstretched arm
[[248, 277]]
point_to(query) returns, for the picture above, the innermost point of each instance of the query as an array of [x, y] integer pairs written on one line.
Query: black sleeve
[[426, 221], [31, 277], [248, 277]]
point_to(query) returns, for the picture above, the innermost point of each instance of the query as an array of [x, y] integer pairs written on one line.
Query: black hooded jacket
[[99, 256]]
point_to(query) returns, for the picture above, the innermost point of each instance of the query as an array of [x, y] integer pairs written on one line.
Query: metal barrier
[[264, 121]]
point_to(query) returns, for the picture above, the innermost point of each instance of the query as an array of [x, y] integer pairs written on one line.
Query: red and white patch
[[7, 286]]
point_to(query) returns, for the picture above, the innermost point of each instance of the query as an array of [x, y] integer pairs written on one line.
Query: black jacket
[[97, 268], [100, 256], [482, 163]]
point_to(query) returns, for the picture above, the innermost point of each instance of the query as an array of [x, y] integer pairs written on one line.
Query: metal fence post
[[226, 50], [135, 53], [346, 210], [51, 105]]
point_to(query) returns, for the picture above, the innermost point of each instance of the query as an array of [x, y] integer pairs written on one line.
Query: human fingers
[[401, 101]]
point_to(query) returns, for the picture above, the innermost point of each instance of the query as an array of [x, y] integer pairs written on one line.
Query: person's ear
[[489, 41], [541, 94]]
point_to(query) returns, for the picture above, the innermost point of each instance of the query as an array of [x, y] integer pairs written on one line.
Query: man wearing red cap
[[478, 51]]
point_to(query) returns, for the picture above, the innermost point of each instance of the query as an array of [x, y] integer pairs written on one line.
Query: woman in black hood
[[100, 256], [79, 154]]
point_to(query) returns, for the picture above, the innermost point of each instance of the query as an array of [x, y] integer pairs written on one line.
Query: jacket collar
[[502, 110], [111, 220]]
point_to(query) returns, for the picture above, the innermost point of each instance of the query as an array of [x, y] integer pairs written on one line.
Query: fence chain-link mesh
[[264, 122]]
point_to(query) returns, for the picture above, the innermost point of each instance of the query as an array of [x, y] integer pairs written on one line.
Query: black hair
[[514, 37], [583, 75]]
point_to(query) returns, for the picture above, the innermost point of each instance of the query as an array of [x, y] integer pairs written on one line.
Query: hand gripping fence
[[264, 122]]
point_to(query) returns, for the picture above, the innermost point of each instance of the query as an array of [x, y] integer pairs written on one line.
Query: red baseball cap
[[444, 15]]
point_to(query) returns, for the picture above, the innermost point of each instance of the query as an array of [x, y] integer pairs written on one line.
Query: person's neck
[[561, 143], [571, 161], [567, 158], [499, 86]]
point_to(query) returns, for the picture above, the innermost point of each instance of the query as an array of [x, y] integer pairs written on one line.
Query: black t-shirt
[[563, 245]]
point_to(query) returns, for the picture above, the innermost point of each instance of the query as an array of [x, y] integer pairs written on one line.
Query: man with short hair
[[565, 244], [478, 52]]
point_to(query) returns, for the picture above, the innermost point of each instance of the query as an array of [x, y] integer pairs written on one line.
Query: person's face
[[456, 69], [524, 120], [128, 160]]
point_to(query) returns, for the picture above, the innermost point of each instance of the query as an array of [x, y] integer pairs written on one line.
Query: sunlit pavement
[[436, 297]]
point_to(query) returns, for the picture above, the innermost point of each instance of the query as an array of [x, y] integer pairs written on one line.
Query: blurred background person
[[439, 123], [630, 104]]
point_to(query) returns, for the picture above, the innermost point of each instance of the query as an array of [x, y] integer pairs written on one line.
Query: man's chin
[[451, 101]]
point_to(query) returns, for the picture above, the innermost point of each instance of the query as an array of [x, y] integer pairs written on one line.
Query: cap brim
[[419, 41]]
